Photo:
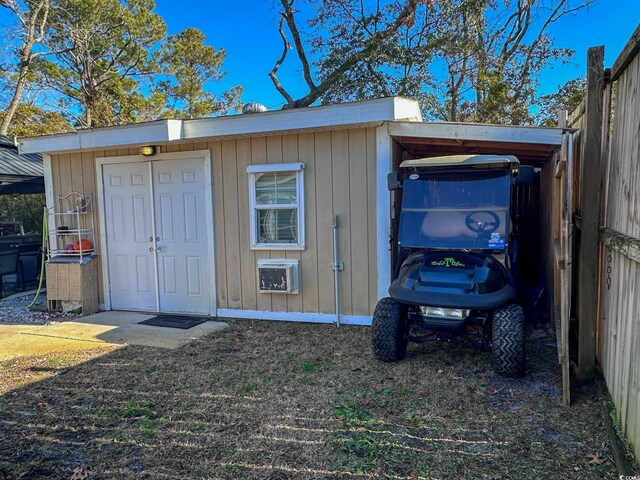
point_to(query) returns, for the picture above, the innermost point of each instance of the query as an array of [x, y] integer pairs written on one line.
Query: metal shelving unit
[[73, 223], [72, 275]]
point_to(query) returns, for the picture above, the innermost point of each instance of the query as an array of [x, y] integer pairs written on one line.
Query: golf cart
[[456, 260]]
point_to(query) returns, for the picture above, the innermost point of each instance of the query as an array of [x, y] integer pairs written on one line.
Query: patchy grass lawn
[[269, 400]]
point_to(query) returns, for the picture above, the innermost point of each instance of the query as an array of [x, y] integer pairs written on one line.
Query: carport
[[537, 208], [532, 145]]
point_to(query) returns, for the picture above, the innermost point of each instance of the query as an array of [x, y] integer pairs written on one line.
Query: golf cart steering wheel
[[481, 226]]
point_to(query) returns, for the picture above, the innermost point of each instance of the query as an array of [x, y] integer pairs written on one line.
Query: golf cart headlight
[[456, 313], [452, 313], [433, 311]]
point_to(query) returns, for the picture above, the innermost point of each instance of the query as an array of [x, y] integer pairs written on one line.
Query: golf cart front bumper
[[476, 301]]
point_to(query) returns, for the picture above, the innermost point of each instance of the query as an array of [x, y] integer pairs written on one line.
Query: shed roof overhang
[[331, 117], [531, 145]]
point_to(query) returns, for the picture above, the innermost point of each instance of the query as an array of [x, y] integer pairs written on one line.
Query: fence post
[[591, 178]]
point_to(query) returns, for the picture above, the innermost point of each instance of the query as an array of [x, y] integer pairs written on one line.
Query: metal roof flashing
[[159, 131], [344, 115]]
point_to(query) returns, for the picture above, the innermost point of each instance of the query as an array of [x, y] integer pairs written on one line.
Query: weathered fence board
[[620, 236], [591, 174], [629, 52]]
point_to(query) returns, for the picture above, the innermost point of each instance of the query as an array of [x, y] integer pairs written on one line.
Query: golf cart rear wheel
[[388, 331], [508, 341]]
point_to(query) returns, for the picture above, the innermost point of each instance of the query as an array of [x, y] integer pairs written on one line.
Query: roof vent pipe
[[253, 107]]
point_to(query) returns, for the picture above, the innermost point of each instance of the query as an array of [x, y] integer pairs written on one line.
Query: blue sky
[[248, 31]]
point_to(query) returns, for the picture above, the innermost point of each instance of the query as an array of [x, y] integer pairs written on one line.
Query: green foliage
[[102, 67], [142, 420], [147, 427], [494, 52], [396, 65], [365, 444], [144, 108], [464, 60], [568, 97], [191, 64], [353, 415], [617, 426], [27, 208], [31, 20], [31, 121], [133, 409], [102, 49], [247, 389], [311, 366]]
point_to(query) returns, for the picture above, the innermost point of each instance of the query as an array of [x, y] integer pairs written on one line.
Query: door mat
[[173, 321]]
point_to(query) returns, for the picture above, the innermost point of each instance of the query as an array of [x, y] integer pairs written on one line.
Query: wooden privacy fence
[[606, 208], [620, 272]]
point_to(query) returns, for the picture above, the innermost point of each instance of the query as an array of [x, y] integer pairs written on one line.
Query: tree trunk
[[33, 26], [87, 116], [453, 109], [25, 60]]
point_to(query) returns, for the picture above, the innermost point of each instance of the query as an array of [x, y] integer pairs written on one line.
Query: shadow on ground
[[95, 331], [294, 401]]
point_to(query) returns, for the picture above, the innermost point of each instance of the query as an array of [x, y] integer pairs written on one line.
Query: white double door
[[157, 240]]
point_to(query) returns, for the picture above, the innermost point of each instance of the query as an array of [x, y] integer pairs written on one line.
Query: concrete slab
[[99, 330], [124, 328]]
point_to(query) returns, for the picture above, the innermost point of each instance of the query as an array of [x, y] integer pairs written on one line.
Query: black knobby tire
[[508, 341], [388, 331]]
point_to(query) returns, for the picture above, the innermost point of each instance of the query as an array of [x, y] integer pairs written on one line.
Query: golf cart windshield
[[455, 210]]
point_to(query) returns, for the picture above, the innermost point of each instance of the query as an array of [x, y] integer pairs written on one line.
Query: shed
[[233, 216]]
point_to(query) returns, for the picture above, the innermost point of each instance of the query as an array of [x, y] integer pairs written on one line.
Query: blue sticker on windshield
[[496, 241]]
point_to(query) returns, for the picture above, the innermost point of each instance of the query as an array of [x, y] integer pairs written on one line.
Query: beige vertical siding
[[339, 178], [324, 207]]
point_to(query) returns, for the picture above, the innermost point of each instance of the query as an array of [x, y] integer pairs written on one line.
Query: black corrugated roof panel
[[6, 141], [14, 164]]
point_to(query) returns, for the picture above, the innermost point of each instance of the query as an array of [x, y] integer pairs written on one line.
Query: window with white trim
[[276, 197]]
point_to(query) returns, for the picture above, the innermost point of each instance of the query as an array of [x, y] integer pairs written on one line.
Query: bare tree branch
[[273, 73], [289, 17], [370, 46], [555, 15]]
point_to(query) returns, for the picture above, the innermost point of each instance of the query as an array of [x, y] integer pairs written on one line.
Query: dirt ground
[[269, 400]]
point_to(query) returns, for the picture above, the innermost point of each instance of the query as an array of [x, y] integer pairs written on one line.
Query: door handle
[[158, 250]]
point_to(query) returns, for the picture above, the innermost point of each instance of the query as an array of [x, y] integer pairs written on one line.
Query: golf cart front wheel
[[388, 331], [508, 341]]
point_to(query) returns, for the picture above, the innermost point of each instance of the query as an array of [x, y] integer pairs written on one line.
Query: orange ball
[[83, 246]]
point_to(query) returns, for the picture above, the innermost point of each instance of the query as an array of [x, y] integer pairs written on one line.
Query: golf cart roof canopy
[[463, 162]]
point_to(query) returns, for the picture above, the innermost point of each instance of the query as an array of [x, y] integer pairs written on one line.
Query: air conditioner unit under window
[[277, 275]]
